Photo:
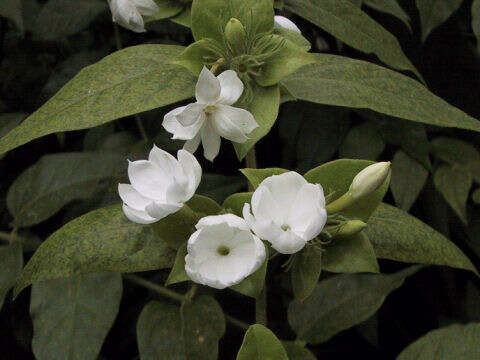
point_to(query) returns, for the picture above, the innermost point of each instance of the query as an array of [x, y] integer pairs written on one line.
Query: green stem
[[261, 308], [175, 296], [251, 163]]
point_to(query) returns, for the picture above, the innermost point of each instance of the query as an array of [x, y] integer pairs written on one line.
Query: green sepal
[[195, 56]]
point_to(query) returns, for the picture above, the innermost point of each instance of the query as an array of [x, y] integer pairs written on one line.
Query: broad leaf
[[454, 184], [398, 236], [256, 176], [348, 23], [408, 180], [71, 317], [306, 271], [127, 82], [341, 302], [102, 240], [9, 121], [264, 107], [453, 342], [362, 142], [55, 180], [353, 254], [336, 177], [390, 7], [337, 80], [260, 343], [11, 258], [13, 10], [235, 202], [435, 12]]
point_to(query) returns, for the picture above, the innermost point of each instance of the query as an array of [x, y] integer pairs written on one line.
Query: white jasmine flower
[[212, 116], [283, 22], [129, 13], [369, 179], [159, 186], [287, 211], [223, 251]]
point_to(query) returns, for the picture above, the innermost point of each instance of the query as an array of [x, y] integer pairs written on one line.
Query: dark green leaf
[[297, 352], [8, 122], [13, 10], [398, 236], [476, 18], [435, 12], [71, 317], [337, 80], [11, 258], [256, 176], [341, 302], [219, 187], [260, 343], [55, 180], [390, 7], [235, 202], [362, 142], [127, 82], [167, 8], [306, 271], [453, 342]]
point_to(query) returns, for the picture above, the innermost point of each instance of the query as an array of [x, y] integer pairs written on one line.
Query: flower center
[[285, 227], [223, 250], [209, 109]]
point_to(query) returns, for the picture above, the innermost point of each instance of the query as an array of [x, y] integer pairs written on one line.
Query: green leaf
[[167, 8], [184, 18], [449, 343], [193, 57], [264, 107], [71, 317], [390, 7], [175, 229], [341, 302], [253, 284], [219, 187], [8, 122], [348, 23], [256, 176], [362, 142], [351, 255], [408, 180], [13, 10], [476, 18], [127, 82], [306, 271], [55, 180], [336, 177], [260, 343], [61, 18], [235, 202], [454, 184], [201, 337], [209, 17], [178, 273], [11, 258], [297, 352], [398, 236], [102, 240], [294, 37], [337, 80], [435, 12], [476, 196]]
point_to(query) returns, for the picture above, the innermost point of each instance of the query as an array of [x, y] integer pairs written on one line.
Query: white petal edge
[[283, 22], [207, 90], [231, 87], [140, 217]]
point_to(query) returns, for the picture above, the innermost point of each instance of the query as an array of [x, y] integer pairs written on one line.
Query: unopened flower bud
[[369, 179], [236, 35], [350, 228]]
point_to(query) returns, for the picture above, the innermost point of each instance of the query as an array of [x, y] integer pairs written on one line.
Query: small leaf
[[408, 180], [351, 255], [256, 176], [390, 7], [71, 317], [435, 12], [253, 284], [454, 185], [348, 23], [362, 142], [306, 271], [341, 81], [235, 202], [178, 273], [260, 343], [11, 258], [54, 181], [141, 73], [341, 302], [449, 343], [336, 177], [102, 240], [398, 236], [264, 108]]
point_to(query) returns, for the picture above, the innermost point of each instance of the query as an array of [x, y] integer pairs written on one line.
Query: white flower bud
[[369, 179], [129, 13]]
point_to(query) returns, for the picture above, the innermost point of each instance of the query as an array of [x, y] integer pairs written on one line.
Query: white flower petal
[[315, 226], [140, 217], [146, 7], [165, 161], [173, 126], [225, 127], [161, 210], [265, 229], [266, 208], [132, 197], [148, 179], [283, 22], [229, 219], [231, 87], [288, 243], [240, 117], [210, 141], [191, 114], [207, 90], [192, 145], [192, 171]]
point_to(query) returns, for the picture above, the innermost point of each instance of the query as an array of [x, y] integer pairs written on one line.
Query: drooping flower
[[287, 211], [129, 13], [159, 186], [223, 251], [369, 179], [283, 22], [212, 115]]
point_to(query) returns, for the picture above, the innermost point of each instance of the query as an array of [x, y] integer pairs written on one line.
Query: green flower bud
[[236, 36], [350, 228]]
